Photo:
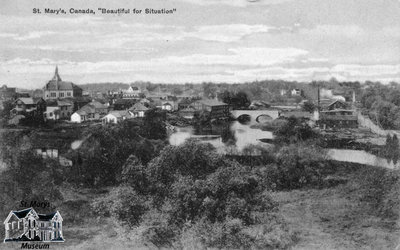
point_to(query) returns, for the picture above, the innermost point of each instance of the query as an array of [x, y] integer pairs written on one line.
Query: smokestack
[[319, 99], [354, 97]]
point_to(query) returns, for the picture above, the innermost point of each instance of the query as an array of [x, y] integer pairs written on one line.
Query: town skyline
[[203, 41]]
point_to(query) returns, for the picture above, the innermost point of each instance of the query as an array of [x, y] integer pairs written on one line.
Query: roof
[[338, 110], [60, 85], [124, 101], [22, 213], [26, 100], [134, 87], [63, 103], [188, 109], [98, 105], [186, 101], [342, 102], [211, 102], [46, 216], [87, 109], [57, 84], [119, 113], [139, 107]]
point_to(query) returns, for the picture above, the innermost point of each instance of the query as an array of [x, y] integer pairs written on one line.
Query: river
[[228, 138], [361, 157], [234, 137]]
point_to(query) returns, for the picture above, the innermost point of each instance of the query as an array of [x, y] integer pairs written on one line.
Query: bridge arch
[[264, 117], [244, 118]]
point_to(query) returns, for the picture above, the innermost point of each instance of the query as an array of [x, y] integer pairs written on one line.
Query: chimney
[[319, 98]]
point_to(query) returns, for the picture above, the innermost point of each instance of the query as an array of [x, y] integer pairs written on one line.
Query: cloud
[[34, 35], [234, 67], [227, 32], [242, 56]]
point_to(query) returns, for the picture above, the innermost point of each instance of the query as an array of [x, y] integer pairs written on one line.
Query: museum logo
[[26, 225]]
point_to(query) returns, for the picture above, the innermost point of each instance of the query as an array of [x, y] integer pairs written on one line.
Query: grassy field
[[346, 216]]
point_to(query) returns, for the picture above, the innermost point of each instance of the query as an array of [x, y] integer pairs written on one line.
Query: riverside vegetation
[[129, 189]]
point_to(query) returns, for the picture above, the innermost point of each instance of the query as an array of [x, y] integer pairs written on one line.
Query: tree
[[295, 130], [308, 106], [237, 100], [298, 166], [177, 91], [154, 124]]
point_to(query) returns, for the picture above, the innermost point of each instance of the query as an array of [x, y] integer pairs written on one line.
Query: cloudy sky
[[204, 40]]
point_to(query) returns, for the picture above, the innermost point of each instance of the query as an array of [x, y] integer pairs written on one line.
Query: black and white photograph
[[200, 124]]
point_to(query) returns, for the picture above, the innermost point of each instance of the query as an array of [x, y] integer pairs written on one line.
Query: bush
[[297, 166], [122, 203]]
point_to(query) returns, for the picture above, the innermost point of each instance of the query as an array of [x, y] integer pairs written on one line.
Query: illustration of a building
[[27, 225]]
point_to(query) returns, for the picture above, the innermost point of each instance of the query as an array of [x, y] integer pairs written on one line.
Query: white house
[[52, 113], [167, 106], [117, 116], [139, 108], [86, 113], [26, 224], [79, 116], [131, 92], [296, 92]]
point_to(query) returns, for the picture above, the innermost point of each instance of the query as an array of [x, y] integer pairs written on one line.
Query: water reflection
[[362, 157], [227, 138]]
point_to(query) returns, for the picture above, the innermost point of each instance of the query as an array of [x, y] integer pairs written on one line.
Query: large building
[[216, 108], [58, 89]]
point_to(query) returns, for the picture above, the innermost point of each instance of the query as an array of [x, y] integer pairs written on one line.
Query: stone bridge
[[256, 114]]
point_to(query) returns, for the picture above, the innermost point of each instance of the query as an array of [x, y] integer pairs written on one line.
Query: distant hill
[[103, 87]]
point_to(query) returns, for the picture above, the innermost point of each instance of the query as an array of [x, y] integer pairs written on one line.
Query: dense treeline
[[382, 104]]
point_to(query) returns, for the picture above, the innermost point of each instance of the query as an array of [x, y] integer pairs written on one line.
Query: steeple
[[56, 76]]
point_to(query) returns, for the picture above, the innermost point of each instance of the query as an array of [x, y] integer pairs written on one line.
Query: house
[[132, 92], [117, 116], [99, 107], [216, 108], [26, 225], [337, 115], [57, 88], [58, 109], [187, 113], [296, 92], [338, 104], [86, 113], [338, 119], [31, 106], [7, 93], [185, 103], [123, 104], [169, 105], [139, 108]]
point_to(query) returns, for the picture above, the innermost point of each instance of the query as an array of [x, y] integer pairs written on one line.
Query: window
[[29, 224], [58, 224], [55, 235], [34, 223], [68, 93], [53, 94], [62, 94]]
